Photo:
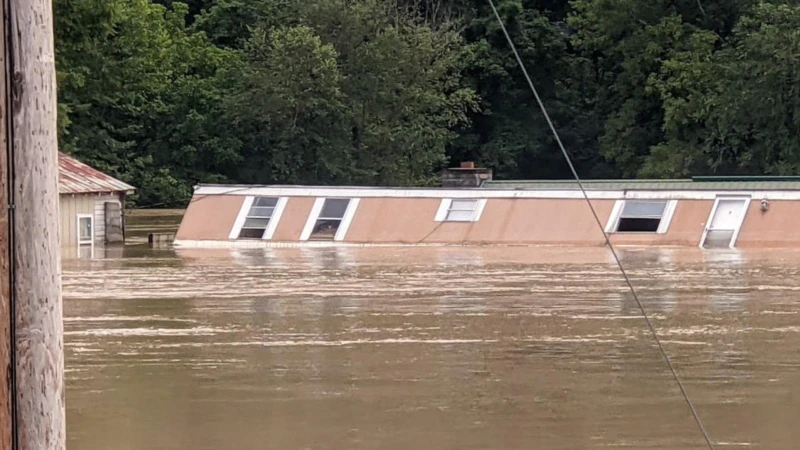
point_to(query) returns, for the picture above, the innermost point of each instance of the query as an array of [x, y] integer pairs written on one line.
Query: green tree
[[165, 94], [509, 132], [229, 23], [626, 41], [735, 110], [361, 93], [290, 110], [132, 82], [195, 7], [404, 86]]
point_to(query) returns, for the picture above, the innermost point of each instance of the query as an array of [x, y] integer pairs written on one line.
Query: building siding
[[540, 221], [401, 220], [537, 221], [776, 227], [71, 206], [100, 216], [293, 219], [210, 217]]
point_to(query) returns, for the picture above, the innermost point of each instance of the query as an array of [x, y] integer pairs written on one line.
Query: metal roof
[[75, 177], [728, 184]]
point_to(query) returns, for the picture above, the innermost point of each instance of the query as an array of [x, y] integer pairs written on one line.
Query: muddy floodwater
[[428, 348]]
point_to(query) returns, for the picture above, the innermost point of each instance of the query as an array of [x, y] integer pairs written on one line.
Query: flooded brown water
[[429, 348]]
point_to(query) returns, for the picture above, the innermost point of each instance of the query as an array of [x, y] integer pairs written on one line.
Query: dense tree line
[[166, 94]]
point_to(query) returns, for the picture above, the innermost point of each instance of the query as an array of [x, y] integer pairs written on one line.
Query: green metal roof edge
[[752, 183], [593, 181], [737, 178], [698, 178]]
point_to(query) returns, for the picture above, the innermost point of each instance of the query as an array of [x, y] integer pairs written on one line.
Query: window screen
[[334, 208], [644, 209], [258, 217], [330, 218], [461, 210]]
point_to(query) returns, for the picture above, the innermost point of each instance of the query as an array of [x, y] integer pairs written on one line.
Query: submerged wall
[[506, 221], [293, 219], [71, 206], [510, 217], [779, 226], [209, 217]]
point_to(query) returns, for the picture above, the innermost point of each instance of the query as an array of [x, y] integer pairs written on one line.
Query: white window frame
[[619, 206], [444, 208], [91, 234], [347, 219], [273, 220]]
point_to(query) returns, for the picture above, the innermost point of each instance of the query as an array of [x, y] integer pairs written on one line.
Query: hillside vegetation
[[165, 94]]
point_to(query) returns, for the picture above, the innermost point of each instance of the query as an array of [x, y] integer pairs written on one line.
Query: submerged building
[[704, 211], [92, 205]]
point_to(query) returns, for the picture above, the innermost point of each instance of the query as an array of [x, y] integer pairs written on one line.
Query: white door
[[728, 215], [724, 222]]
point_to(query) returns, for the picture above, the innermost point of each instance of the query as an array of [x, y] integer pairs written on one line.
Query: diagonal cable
[[605, 235]]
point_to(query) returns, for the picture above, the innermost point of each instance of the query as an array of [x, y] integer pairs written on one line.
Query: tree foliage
[[735, 110], [165, 94], [138, 94], [356, 94]]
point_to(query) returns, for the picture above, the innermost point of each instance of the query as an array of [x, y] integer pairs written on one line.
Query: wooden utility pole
[[6, 413], [31, 328]]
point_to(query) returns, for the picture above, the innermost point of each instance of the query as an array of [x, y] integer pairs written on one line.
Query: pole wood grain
[[6, 442], [37, 285]]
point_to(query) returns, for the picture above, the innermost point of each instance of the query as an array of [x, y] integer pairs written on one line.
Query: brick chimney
[[465, 176]]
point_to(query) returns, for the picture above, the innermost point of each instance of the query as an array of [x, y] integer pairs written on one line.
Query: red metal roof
[[75, 177]]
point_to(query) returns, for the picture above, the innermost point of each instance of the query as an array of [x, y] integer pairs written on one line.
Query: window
[[85, 229], [460, 210], [257, 218], [329, 220], [642, 216]]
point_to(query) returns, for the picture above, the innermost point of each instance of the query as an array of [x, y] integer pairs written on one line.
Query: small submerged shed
[[91, 203]]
